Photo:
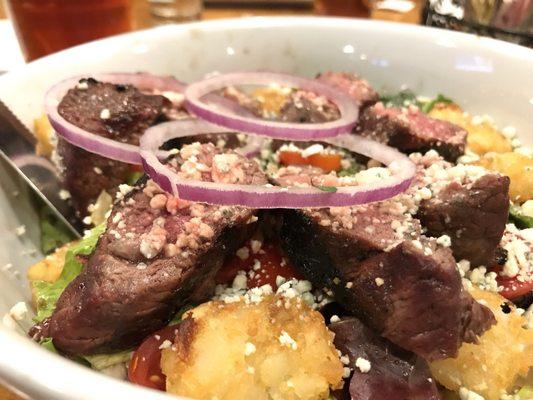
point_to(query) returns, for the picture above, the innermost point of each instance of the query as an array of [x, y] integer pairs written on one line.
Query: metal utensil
[[17, 147]]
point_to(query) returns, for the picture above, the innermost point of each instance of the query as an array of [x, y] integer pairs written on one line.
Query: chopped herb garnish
[[407, 97], [401, 99], [350, 171], [331, 189]]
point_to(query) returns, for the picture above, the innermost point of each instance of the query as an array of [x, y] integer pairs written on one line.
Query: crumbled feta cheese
[[372, 175], [466, 394], [256, 246], [249, 348], [239, 282], [363, 364], [379, 281], [20, 230], [83, 85], [527, 208], [483, 279], [444, 241], [105, 114], [243, 253], [286, 340], [18, 311], [141, 266], [7, 267], [346, 372], [165, 345], [313, 149], [64, 194], [334, 318]]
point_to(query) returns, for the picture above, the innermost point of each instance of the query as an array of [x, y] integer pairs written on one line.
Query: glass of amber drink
[[47, 26]]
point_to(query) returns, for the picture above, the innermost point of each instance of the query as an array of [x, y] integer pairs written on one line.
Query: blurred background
[[45, 26], [30, 29]]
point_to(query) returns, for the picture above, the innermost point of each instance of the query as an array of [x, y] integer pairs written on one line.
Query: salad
[[263, 235]]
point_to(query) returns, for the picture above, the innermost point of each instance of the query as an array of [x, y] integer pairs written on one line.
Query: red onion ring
[[280, 130], [105, 147], [269, 196]]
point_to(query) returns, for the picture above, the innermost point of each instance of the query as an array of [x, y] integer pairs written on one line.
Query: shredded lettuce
[[48, 293], [53, 233], [103, 361], [521, 220]]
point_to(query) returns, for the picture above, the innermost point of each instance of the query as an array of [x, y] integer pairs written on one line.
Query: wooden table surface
[[143, 20]]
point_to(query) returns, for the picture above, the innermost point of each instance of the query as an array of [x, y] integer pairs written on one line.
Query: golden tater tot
[[275, 349], [518, 167], [43, 133], [482, 138], [492, 366]]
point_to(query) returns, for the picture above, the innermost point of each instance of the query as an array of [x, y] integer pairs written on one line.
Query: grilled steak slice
[[306, 107], [118, 112], [410, 293], [157, 254], [473, 216], [394, 373], [410, 130], [350, 83]]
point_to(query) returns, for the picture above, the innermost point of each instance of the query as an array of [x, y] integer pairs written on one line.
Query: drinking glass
[[47, 26], [176, 10]]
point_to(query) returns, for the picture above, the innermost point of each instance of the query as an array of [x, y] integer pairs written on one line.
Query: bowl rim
[[35, 372], [487, 43]]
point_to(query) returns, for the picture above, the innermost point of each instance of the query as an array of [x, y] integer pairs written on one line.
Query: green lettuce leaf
[[48, 293], [48, 345], [53, 233], [521, 220]]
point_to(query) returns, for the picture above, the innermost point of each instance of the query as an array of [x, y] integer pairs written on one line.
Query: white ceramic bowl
[[483, 75]]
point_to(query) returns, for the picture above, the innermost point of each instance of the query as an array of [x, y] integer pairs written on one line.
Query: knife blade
[[17, 147]]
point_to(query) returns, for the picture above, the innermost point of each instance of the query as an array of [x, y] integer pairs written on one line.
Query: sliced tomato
[[327, 162], [266, 265], [513, 288], [145, 365]]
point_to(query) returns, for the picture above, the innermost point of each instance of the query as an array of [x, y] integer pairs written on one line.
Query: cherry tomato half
[[267, 264], [513, 288], [145, 365], [327, 162]]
